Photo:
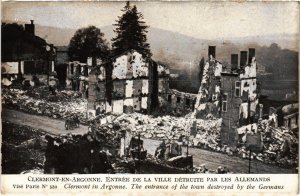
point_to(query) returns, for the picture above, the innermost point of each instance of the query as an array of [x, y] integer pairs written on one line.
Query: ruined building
[[209, 95], [24, 53], [125, 84], [290, 116], [231, 94], [77, 77], [177, 103]]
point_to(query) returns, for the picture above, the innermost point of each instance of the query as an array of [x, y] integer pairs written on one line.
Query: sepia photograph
[[149, 87]]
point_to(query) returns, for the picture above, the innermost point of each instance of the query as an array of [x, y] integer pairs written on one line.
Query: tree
[[131, 33], [88, 42]]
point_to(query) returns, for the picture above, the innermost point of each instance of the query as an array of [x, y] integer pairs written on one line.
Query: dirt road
[[211, 159], [50, 125], [235, 164]]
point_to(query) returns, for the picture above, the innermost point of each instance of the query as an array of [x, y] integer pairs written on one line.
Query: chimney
[[251, 54], [212, 51], [243, 59], [29, 28], [234, 61]]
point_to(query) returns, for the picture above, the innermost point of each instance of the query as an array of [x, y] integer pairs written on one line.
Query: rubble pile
[[208, 134], [280, 145], [38, 104], [166, 127], [44, 93]]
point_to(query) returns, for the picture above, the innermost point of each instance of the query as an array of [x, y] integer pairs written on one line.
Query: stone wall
[[132, 84], [230, 107]]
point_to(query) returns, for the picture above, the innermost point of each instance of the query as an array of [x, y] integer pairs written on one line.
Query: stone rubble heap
[[169, 127], [280, 145], [35, 103]]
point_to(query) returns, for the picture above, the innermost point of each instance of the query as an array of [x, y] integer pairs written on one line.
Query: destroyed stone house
[[291, 116], [177, 102], [172, 101], [126, 83], [25, 53], [209, 95], [77, 77], [231, 94]]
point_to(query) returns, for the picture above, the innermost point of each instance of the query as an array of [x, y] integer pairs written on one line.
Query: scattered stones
[[37, 104], [280, 145]]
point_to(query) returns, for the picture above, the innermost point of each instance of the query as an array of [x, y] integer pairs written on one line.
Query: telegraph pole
[[249, 161]]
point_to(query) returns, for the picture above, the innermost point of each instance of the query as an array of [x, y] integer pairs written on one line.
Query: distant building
[[291, 116], [26, 54]]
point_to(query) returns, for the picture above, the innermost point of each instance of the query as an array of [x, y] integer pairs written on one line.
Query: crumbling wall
[[162, 71], [129, 73], [290, 116], [249, 70], [120, 67], [177, 103], [139, 65], [77, 75], [130, 82], [207, 102], [163, 85], [291, 121], [164, 105]]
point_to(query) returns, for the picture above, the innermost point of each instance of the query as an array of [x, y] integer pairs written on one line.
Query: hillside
[[182, 53], [177, 49]]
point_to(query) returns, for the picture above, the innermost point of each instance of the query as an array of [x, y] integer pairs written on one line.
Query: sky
[[206, 20]]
